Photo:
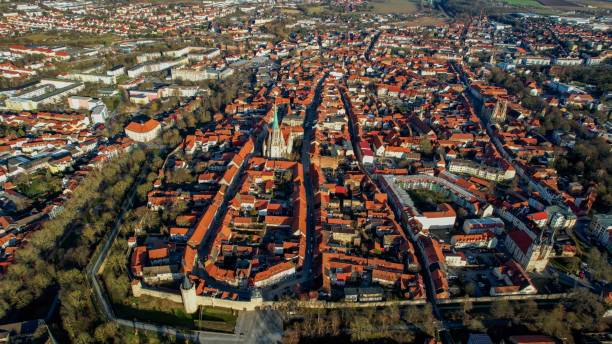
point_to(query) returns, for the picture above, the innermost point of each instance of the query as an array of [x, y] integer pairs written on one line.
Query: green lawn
[[174, 316], [215, 319], [395, 6], [149, 309], [524, 3], [314, 10], [67, 38]]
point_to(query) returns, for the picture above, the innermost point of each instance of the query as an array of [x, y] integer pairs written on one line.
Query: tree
[[335, 321], [502, 309], [552, 323], [291, 336], [171, 137], [426, 146], [598, 264]]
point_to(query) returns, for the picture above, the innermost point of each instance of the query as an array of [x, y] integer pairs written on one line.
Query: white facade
[[475, 226], [275, 278], [99, 114], [481, 171], [143, 135], [455, 260], [46, 91], [536, 257], [601, 227], [436, 222]]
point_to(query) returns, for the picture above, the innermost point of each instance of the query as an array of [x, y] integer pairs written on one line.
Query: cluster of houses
[[365, 254], [122, 20], [61, 144], [398, 116]]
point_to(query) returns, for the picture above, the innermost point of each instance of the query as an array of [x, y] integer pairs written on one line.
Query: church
[[281, 139]]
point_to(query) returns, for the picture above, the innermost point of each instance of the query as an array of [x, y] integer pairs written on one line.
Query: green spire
[[275, 121]]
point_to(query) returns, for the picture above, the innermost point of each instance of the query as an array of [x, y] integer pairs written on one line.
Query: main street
[[311, 237]]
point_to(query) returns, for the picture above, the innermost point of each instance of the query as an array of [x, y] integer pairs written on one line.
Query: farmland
[[524, 3], [557, 3], [395, 6]]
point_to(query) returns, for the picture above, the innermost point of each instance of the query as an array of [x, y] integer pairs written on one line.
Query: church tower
[[498, 115], [274, 147]]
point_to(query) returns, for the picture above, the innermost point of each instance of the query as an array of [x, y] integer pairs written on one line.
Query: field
[[595, 3], [524, 3], [314, 10], [161, 311], [67, 38], [395, 6], [553, 3]]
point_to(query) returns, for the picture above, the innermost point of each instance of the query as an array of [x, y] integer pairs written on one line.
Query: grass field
[[160, 311], [215, 319], [595, 3], [395, 6], [314, 10], [67, 38], [524, 3]]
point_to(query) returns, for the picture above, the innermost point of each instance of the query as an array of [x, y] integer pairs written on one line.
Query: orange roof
[[141, 128], [203, 225], [158, 253], [273, 270], [189, 257]]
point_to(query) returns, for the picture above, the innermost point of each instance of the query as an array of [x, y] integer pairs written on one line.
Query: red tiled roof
[[141, 128], [521, 239]]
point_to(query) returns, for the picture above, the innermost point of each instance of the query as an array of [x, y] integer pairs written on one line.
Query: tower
[[188, 294], [499, 111], [275, 147]]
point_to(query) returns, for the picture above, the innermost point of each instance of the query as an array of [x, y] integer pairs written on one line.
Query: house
[[143, 131]]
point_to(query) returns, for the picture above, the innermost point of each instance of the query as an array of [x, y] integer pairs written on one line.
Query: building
[[601, 228], [481, 170], [44, 92], [474, 226], [531, 339], [498, 115], [480, 240], [274, 274], [99, 114], [280, 141], [532, 254], [83, 103], [194, 74], [479, 338], [143, 131], [455, 259]]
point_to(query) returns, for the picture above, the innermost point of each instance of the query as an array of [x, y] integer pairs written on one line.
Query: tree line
[[590, 163], [400, 325], [55, 257]]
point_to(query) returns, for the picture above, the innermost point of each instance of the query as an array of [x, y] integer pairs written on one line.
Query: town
[[298, 171]]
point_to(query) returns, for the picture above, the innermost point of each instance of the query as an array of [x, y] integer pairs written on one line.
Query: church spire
[[275, 120]]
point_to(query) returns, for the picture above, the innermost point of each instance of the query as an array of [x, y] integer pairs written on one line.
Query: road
[[443, 333], [265, 326], [311, 237], [306, 274]]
